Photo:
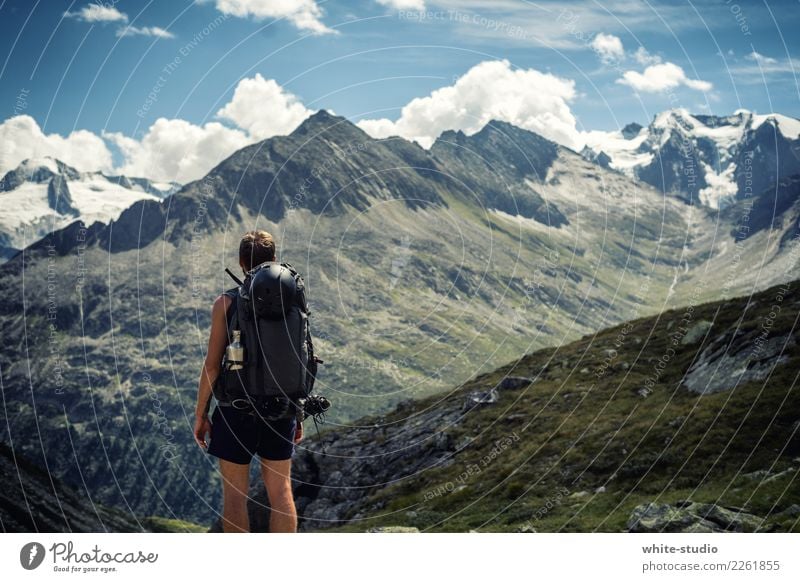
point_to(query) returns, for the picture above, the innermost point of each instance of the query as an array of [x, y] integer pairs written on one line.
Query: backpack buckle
[[240, 404]]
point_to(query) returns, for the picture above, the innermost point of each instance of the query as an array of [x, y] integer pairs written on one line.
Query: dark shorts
[[236, 436]]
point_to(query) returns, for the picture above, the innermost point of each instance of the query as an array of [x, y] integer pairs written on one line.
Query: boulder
[[514, 382], [729, 360], [696, 332], [481, 398], [393, 529], [688, 516]]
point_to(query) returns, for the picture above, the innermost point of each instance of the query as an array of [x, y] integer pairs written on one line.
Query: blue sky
[[93, 69]]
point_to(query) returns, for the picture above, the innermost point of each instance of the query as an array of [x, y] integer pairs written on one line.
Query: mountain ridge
[[422, 270]]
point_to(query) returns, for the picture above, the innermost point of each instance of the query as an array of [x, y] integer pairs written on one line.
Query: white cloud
[[489, 90], [608, 47], [304, 14], [22, 138], [759, 58], [105, 13], [661, 77], [644, 58], [98, 13], [760, 66], [145, 31], [264, 108], [174, 149], [404, 4], [171, 149]]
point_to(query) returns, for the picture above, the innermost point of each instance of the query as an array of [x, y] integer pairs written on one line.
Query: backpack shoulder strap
[[232, 311], [301, 287]]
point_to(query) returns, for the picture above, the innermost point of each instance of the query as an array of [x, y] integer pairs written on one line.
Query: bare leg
[[235, 483], [277, 480]]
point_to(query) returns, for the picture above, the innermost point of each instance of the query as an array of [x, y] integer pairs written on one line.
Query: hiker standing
[[260, 368]]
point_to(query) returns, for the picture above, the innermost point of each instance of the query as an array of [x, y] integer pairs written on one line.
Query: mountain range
[[424, 269], [43, 195], [704, 159]]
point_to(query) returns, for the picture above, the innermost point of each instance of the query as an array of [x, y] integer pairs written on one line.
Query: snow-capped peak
[[788, 126], [30, 165], [39, 169], [700, 157], [44, 194]]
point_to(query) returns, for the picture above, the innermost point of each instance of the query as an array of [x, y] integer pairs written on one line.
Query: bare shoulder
[[221, 304]]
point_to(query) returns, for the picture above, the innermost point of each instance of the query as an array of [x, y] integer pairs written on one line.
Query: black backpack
[[279, 359]]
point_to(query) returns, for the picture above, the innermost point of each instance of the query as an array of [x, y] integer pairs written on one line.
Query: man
[[235, 435]]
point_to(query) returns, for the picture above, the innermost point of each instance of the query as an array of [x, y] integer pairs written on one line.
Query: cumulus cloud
[[404, 4], [304, 14], [22, 138], [661, 77], [490, 90], [171, 149], [610, 50], [145, 31], [263, 108], [644, 58], [608, 47], [98, 13], [174, 149]]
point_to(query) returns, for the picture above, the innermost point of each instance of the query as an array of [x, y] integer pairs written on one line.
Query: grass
[[578, 433]]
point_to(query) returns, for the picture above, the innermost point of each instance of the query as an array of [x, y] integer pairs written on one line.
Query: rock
[[756, 475], [696, 332], [777, 476], [393, 529], [59, 198], [631, 130], [728, 361], [676, 421], [793, 511], [526, 528], [601, 489], [481, 398], [688, 516], [514, 382], [579, 494], [658, 517]]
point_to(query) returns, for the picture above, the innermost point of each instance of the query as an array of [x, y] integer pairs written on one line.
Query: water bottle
[[234, 353]]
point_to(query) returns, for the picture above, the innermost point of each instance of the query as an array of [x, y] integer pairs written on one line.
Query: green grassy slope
[[596, 433]]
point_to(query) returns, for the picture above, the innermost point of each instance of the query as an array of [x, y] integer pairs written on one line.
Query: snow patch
[[99, 199], [522, 220], [623, 152], [721, 187]]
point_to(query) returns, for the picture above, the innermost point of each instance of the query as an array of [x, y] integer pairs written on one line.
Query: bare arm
[[217, 340]]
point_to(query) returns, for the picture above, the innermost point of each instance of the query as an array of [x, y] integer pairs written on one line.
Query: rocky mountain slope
[[43, 195], [424, 268], [32, 500], [704, 159], [687, 421]]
